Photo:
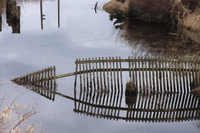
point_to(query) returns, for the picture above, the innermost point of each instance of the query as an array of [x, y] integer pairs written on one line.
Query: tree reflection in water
[[12, 12], [158, 39]]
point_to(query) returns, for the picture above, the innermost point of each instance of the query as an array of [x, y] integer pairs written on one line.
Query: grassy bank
[[182, 13]]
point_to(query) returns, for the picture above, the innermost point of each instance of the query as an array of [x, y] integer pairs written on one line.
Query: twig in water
[[95, 7]]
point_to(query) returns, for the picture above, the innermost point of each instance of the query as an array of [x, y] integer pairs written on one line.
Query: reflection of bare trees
[[159, 39], [12, 14]]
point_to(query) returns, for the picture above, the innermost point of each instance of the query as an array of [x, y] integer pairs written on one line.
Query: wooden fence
[[150, 74], [43, 78], [99, 74]]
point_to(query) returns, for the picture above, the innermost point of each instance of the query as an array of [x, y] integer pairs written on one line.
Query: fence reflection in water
[[164, 107], [172, 107], [151, 107], [47, 92], [103, 105], [98, 88]]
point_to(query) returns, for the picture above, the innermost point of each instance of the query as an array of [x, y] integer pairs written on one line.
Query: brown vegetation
[[157, 29], [192, 21], [183, 13], [13, 117], [151, 10], [116, 9], [159, 40]]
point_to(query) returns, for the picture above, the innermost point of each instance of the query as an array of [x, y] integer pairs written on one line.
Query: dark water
[[76, 31]]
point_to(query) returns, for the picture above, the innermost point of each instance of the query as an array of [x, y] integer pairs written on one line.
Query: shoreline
[[177, 13]]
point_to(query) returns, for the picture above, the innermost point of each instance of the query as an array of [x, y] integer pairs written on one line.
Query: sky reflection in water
[[82, 34]]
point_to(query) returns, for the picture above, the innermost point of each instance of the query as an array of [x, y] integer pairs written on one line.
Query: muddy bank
[[182, 13]]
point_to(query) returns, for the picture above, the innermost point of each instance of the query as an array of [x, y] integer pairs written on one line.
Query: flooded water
[[57, 33]]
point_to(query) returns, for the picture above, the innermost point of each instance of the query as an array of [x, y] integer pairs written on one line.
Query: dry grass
[[162, 11], [183, 13], [14, 117], [192, 21], [114, 7], [148, 10], [151, 10]]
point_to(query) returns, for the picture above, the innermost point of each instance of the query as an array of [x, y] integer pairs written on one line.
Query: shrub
[[13, 117]]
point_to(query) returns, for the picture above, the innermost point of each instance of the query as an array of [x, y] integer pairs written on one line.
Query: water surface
[[76, 31]]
